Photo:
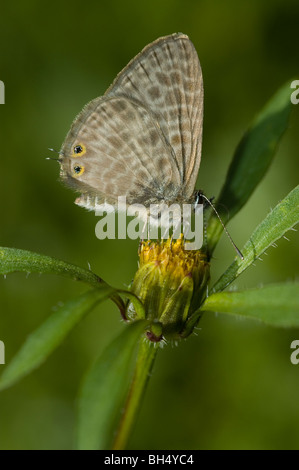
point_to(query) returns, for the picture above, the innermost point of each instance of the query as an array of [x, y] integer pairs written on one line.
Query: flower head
[[171, 282]]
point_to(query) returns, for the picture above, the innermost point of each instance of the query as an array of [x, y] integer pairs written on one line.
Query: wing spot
[[119, 106], [154, 138], [131, 116], [154, 92], [175, 139], [163, 79], [114, 141]]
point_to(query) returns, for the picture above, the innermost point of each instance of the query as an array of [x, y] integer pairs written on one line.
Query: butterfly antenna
[[51, 158], [53, 150], [224, 228]]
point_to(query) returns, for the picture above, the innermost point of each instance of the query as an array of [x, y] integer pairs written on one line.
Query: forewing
[[166, 78]]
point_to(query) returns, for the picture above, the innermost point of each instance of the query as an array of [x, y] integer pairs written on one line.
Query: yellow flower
[[171, 282]]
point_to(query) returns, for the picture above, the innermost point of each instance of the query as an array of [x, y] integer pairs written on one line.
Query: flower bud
[[171, 283]]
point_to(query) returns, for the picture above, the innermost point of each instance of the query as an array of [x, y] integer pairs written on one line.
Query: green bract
[[171, 282]]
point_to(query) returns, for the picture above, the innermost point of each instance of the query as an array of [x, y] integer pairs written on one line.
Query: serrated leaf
[[251, 160], [281, 219], [104, 390], [45, 339], [277, 305]]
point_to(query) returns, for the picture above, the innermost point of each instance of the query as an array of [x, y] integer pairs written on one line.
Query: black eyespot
[[77, 169], [78, 149]]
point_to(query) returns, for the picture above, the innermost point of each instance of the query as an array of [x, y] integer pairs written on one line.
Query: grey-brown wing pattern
[[142, 139], [125, 154], [166, 77]]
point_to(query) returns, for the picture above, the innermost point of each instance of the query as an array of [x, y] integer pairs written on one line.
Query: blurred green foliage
[[233, 386]]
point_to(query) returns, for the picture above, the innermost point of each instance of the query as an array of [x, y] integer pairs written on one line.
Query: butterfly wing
[[123, 154], [142, 139], [166, 77]]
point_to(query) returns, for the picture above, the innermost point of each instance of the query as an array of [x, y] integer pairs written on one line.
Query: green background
[[232, 386]]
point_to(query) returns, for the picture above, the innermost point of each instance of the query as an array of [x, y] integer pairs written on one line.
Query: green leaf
[[13, 260], [277, 305], [278, 221], [104, 390], [251, 160], [43, 341]]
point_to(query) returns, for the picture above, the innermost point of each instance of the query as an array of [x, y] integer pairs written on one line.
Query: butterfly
[[142, 138]]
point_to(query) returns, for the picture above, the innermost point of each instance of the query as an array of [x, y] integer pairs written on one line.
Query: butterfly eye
[[78, 170], [79, 150]]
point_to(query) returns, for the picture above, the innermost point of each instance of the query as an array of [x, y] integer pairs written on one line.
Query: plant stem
[[145, 359]]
